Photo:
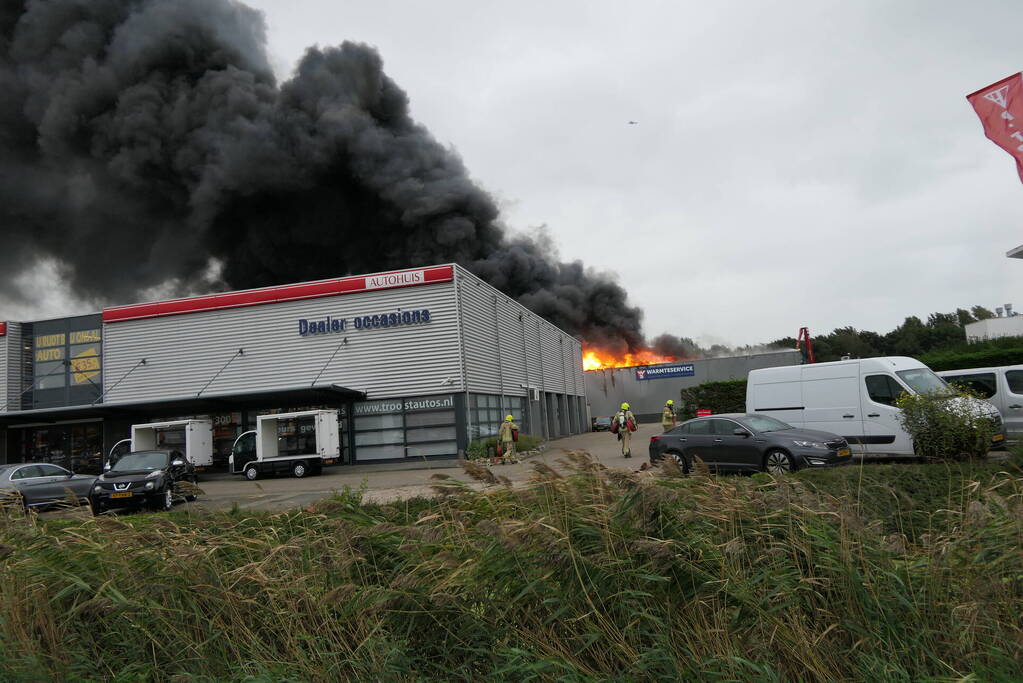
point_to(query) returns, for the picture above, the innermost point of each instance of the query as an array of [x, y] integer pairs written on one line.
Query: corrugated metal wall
[[483, 372], [10, 368], [184, 352], [532, 352]]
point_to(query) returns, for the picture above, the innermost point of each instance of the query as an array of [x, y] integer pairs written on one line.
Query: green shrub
[[946, 426], [728, 396]]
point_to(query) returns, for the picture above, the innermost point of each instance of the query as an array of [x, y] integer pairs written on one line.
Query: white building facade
[[419, 363]]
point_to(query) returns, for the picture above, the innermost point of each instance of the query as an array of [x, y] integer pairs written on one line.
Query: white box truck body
[[854, 399], [1000, 386], [299, 443], [192, 438]]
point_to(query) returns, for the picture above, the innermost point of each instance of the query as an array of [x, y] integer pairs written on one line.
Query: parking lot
[[388, 483]]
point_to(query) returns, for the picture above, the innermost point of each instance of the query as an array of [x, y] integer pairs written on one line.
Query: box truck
[[1001, 386], [299, 444], [192, 438], [854, 399]]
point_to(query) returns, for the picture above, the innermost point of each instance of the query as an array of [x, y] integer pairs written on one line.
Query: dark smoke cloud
[[139, 139]]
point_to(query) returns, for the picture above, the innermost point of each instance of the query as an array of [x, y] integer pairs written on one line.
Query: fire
[[596, 359]]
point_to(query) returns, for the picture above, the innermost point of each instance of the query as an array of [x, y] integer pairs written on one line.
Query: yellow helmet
[[625, 406], [670, 402], [508, 418]]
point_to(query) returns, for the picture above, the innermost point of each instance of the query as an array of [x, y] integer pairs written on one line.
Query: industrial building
[[1006, 323], [418, 363], [645, 388]]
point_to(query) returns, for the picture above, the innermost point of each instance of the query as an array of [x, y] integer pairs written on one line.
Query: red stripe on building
[[412, 277], [3, 329]]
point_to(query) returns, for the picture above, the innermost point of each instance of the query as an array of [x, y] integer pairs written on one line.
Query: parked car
[[1002, 387], [143, 478], [601, 424], [42, 484], [737, 441], [854, 399]]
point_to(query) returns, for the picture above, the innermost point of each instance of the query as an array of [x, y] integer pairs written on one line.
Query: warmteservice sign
[[666, 371]]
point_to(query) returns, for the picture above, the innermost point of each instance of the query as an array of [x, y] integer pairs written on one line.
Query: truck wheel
[[252, 473], [299, 469]]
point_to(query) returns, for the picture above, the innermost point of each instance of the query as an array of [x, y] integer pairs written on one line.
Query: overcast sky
[[794, 163]]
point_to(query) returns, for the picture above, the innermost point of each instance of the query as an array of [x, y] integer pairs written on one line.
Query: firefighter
[[668, 419], [507, 433], [625, 424]]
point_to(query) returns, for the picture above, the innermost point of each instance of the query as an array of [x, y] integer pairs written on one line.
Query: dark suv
[[143, 478]]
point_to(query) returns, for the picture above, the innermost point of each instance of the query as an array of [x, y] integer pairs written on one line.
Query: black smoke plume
[[142, 141]]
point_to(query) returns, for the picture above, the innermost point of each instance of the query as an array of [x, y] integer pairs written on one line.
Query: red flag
[[1000, 108]]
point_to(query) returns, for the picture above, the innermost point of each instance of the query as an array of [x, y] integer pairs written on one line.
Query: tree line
[[912, 338]]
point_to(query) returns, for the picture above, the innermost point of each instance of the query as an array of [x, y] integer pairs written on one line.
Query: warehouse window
[[416, 427], [487, 412]]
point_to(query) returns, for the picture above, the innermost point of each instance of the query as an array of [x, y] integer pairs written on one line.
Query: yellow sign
[[87, 351], [85, 336], [50, 340], [84, 367], [56, 353]]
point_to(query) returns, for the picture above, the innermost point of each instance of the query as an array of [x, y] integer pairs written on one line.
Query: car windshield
[[603, 420], [145, 460], [763, 423], [922, 380]]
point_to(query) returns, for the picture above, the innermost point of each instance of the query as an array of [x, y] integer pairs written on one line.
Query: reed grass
[[586, 574]]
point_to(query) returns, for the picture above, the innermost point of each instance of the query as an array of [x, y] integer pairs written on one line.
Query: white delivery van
[[299, 443], [852, 398], [192, 438], [1002, 387]]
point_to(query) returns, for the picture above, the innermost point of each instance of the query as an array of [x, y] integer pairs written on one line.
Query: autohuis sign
[[329, 324]]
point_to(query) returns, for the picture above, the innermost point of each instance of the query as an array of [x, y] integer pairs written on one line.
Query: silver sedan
[[43, 484]]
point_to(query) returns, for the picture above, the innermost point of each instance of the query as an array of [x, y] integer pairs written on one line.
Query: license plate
[[844, 452], [998, 437], [328, 462], [122, 494]]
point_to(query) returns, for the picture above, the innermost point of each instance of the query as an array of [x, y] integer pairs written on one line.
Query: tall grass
[[594, 575]]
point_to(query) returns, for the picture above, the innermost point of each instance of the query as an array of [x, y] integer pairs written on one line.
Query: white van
[[1002, 387], [852, 398]]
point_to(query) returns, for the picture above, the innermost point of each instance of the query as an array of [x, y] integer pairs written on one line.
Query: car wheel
[[679, 460], [97, 508], [299, 469], [778, 462], [252, 473], [164, 501]]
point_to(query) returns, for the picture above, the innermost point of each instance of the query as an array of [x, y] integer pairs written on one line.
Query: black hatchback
[[143, 478], [737, 442]]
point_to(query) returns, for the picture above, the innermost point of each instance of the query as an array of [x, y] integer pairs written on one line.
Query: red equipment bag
[[500, 451], [632, 425], [515, 435], [614, 426]]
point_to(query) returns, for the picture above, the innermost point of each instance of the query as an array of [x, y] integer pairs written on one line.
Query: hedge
[[719, 397], [963, 358]]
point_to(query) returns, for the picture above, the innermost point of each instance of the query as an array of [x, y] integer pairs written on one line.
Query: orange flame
[[597, 359]]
